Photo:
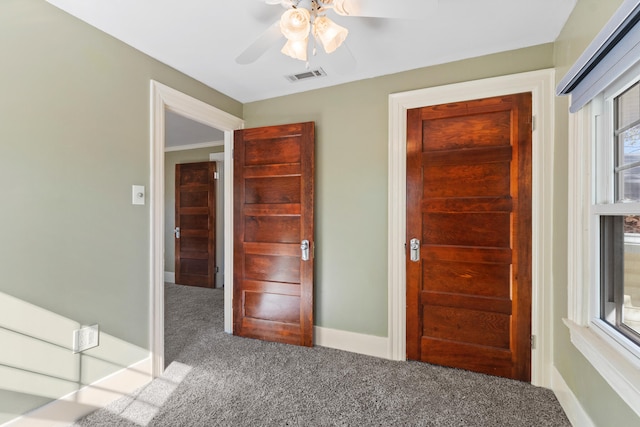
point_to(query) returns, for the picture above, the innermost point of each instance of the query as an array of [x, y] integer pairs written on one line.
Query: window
[[619, 278], [604, 234], [620, 284], [604, 202]]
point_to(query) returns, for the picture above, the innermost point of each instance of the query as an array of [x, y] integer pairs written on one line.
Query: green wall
[[602, 404], [74, 126], [351, 178], [171, 159]]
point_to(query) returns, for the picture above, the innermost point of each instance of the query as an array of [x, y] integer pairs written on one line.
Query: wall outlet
[[85, 338]]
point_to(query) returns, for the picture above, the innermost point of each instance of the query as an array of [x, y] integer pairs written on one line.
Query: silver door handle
[[414, 247], [177, 232], [304, 247]]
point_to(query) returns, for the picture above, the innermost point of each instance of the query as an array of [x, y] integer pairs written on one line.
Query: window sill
[[617, 366]]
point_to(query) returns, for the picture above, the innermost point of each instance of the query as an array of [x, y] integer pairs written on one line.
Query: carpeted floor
[[214, 379]]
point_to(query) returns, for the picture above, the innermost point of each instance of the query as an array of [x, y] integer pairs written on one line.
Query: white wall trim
[[164, 98], [579, 210], [194, 146], [169, 277], [220, 219], [350, 341], [540, 84], [66, 410], [569, 402]]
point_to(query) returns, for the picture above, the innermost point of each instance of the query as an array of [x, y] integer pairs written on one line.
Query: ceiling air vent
[[311, 74]]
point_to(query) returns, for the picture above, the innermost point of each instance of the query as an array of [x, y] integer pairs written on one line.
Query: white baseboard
[[66, 410], [350, 341], [569, 402], [169, 277]]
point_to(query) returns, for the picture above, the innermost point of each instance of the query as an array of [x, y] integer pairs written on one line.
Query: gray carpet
[[214, 379]]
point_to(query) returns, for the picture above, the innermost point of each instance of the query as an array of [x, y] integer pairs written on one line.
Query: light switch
[[137, 195]]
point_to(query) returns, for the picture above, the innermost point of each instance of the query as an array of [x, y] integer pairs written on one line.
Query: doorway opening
[[194, 203], [163, 100]]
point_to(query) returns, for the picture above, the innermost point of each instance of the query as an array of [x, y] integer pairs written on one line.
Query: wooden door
[[469, 204], [273, 215], [195, 242]]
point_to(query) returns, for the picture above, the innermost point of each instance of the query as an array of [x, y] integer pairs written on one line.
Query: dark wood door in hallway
[[195, 233]]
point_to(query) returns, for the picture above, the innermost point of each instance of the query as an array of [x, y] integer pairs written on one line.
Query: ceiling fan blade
[[408, 9], [263, 13], [265, 41]]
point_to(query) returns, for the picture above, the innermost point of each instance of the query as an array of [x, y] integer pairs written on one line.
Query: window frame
[[604, 196], [591, 184]]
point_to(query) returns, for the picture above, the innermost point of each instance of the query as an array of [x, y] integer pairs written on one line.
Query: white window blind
[[614, 50]]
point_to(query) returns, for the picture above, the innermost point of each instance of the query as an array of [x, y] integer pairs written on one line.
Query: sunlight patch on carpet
[[143, 405]]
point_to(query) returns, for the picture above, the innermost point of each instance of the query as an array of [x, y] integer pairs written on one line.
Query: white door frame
[[540, 84], [164, 98], [219, 159]]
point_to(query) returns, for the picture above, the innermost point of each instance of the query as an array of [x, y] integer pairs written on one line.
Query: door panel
[[469, 204], [276, 190], [445, 229], [273, 214], [272, 229], [480, 279], [482, 327], [195, 257], [276, 307], [489, 129]]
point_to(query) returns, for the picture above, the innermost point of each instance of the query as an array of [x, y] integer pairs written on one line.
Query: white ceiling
[[202, 38]]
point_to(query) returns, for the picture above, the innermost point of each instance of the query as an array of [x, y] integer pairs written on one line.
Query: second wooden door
[[274, 233]]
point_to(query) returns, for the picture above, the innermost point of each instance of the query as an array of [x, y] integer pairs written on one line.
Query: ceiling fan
[[303, 20]]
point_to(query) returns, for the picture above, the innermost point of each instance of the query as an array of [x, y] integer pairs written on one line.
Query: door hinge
[[533, 123], [533, 342], [215, 175], [217, 269]]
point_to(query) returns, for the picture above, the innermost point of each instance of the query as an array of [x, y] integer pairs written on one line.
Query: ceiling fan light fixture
[[295, 24], [328, 33], [296, 49]]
